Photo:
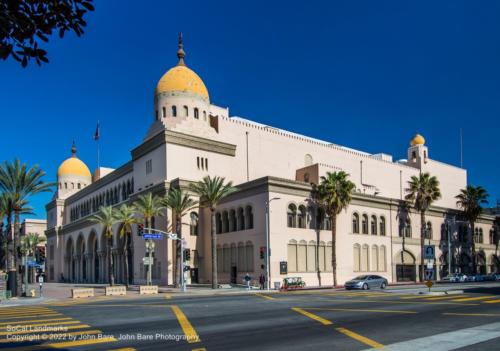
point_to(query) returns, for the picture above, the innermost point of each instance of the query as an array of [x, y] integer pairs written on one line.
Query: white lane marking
[[450, 340]]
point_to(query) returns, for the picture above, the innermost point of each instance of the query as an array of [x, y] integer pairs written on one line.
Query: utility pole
[[267, 258]]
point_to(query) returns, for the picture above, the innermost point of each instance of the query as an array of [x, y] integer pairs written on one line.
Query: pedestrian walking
[[262, 281], [248, 278]]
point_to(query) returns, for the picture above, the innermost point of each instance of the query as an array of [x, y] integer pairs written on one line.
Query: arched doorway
[[70, 262], [93, 258], [405, 266]]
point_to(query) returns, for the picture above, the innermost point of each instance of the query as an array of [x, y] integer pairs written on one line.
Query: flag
[[97, 133]]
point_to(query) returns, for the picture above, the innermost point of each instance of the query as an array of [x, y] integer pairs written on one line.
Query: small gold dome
[[417, 140], [73, 166], [182, 79]]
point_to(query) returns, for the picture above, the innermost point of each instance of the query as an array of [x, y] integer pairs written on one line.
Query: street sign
[[146, 260], [430, 265], [429, 251], [152, 236], [172, 236], [429, 274], [429, 284], [33, 264]]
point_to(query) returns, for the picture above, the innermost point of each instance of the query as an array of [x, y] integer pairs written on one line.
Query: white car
[[455, 277]]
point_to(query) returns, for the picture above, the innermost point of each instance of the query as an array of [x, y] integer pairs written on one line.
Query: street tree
[[421, 193], [106, 218], [211, 191], [335, 194], [125, 217]]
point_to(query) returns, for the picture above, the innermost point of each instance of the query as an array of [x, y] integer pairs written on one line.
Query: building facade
[[190, 138]]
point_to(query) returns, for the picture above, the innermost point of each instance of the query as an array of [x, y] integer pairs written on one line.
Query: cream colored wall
[[159, 169]]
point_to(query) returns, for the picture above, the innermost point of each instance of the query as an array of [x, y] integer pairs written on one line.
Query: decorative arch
[[355, 223]]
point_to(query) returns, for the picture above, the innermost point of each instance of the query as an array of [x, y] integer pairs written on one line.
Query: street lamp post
[[150, 246], [268, 270]]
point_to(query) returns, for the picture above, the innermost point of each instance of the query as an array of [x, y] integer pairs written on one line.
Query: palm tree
[[28, 244], [21, 182], [335, 193], [149, 206], [470, 200], [180, 203], [422, 192], [106, 218], [125, 215], [5, 213], [211, 191]]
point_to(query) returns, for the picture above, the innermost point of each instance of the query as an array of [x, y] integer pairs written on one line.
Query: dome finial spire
[[180, 51], [73, 149]]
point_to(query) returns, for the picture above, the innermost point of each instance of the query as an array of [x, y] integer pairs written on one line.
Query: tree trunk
[[111, 275], [16, 263], [422, 243], [473, 247], [125, 253], [215, 284], [178, 248], [10, 243], [333, 217]]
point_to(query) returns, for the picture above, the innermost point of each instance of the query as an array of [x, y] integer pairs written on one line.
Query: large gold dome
[[182, 79], [73, 166], [417, 140]]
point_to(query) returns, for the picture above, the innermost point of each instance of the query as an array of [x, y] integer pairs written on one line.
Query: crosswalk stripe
[[312, 316], [79, 326], [448, 297], [30, 315], [474, 298], [34, 320]]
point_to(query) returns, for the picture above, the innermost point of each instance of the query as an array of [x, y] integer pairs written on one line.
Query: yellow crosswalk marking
[[21, 325], [79, 326], [168, 296], [492, 301], [447, 297], [312, 316], [34, 320], [186, 326], [360, 310], [474, 298], [360, 338], [124, 349], [54, 314]]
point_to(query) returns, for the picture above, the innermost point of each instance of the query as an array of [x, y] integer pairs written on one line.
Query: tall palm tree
[[149, 206], [335, 193], [125, 216], [5, 214], [106, 218], [21, 182], [470, 200], [211, 191], [181, 203], [422, 192]]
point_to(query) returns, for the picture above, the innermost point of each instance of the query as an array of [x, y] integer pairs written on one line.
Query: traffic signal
[[187, 255], [140, 229], [262, 252]]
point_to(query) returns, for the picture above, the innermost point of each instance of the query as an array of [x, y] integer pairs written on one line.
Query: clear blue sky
[[364, 74]]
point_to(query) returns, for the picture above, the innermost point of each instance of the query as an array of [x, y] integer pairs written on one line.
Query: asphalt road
[[303, 320]]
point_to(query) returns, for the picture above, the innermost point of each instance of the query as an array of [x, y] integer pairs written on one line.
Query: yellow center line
[[265, 296], [473, 314], [312, 316], [418, 302], [124, 349], [474, 298], [186, 326], [168, 296], [360, 338], [200, 349], [360, 310], [34, 321], [79, 326], [492, 301]]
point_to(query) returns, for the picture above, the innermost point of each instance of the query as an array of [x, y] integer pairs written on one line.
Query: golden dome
[[417, 140], [181, 78], [73, 166]]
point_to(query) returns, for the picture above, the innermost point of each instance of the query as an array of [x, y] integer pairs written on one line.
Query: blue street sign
[[33, 264], [152, 236]]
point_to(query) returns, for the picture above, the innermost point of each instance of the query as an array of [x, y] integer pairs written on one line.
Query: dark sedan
[[366, 282]]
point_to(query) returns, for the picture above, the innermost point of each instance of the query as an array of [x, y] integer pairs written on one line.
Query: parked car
[[489, 277], [366, 282], [497, 276], [455, 278]]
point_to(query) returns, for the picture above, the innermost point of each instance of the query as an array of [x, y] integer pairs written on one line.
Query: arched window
[[492, 236], [355, 223], [356, 258], [240, 217], [218, 223], [302, 217], [174, 111], [232, 221], [481, 240], [311, 257], [249, 256], [249, 217], [241, 258], [225, 222], [292, 216], [186, 111], [292, 256], [327, 223], [382, 226], [373, 225], [428, 231], [364, 224], [79, 186], [193, 225], [196, 113], [164, 112], [405, 228], [308, 160]]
